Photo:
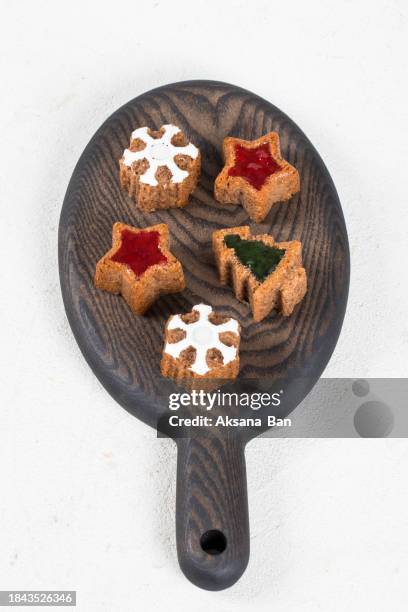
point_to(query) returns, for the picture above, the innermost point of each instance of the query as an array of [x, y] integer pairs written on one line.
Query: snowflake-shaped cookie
[[203, 335], [160, 169], [159, 152]]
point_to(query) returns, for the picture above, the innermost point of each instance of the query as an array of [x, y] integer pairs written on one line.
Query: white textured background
[[87, 492]]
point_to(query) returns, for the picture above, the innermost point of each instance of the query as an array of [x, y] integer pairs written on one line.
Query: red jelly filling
[[254, 165], [139, 251]]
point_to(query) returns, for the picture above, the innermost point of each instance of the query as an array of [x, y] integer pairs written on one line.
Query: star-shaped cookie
[[139, 266], [255, 175], [265, 273]]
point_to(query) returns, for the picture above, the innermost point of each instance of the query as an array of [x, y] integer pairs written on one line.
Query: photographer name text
[[226, 421]]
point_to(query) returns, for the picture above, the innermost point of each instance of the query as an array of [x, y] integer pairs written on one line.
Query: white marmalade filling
[[202, 336], [159, 152]]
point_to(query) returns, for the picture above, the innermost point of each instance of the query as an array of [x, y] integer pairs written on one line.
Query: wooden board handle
[[212, 526]]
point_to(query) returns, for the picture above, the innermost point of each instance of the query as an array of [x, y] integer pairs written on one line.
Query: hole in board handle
[[213, 542]]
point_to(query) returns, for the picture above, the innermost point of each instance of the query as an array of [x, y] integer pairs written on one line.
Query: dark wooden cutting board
[[124, 350]]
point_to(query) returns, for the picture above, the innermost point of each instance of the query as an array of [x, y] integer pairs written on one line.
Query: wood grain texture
[[124, 350], [212, 495]]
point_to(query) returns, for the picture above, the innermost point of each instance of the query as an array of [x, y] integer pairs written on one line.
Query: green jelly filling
[[260, 258]]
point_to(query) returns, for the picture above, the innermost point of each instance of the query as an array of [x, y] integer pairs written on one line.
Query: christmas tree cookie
[[159, 169], [265, 273], [139, 266], [255, 175], [201, 345]]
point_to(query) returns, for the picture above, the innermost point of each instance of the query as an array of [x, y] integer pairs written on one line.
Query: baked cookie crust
[[141, 270], [255, 175], [282, 289], [160, 168]]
